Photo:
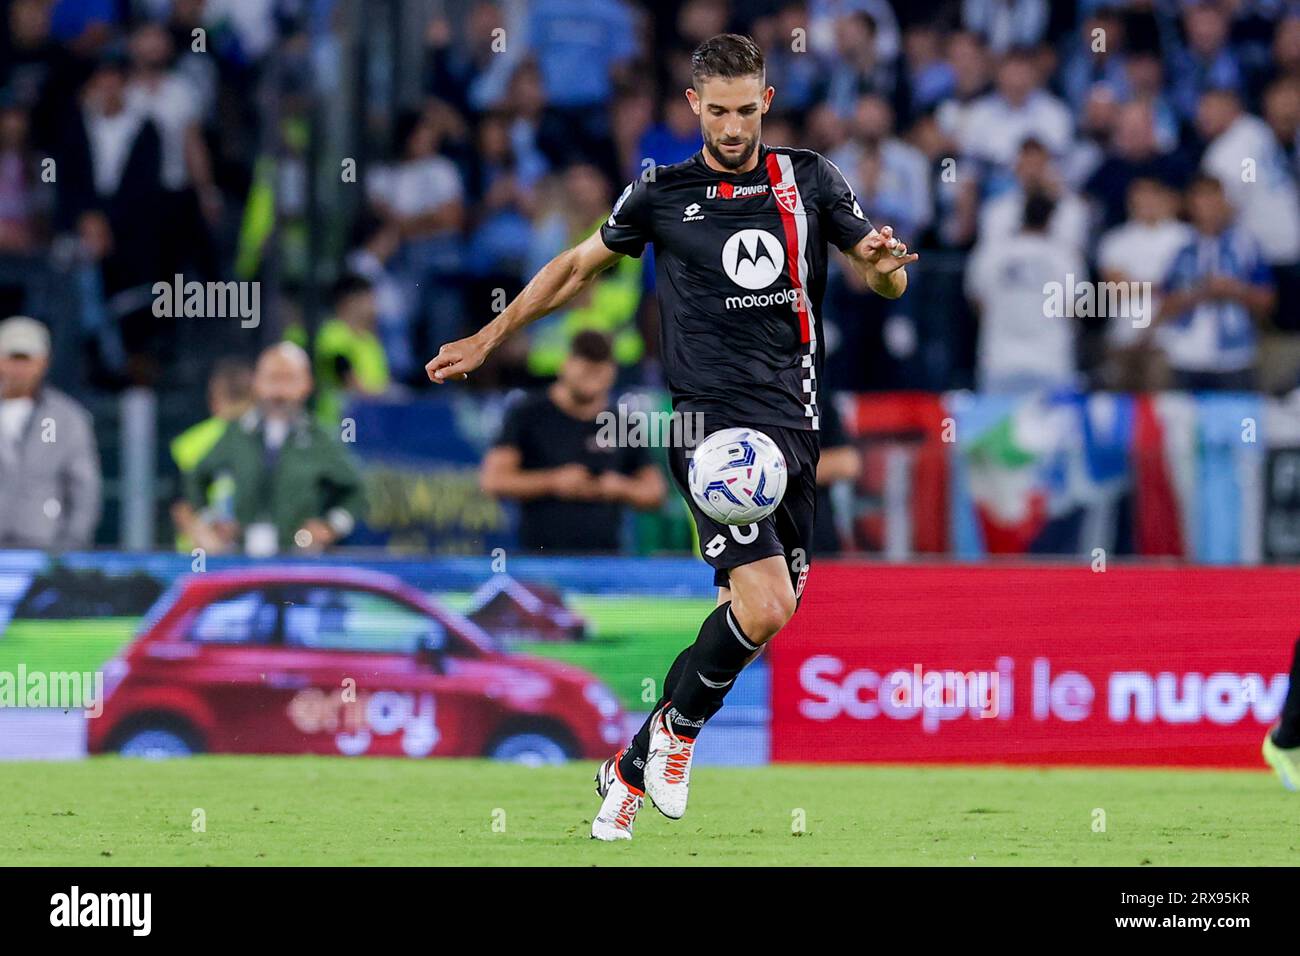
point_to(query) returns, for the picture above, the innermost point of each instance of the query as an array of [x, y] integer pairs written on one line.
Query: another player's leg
[[762, 601], [1282, 743]]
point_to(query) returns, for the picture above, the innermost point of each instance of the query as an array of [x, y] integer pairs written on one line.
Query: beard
[[729, 161]]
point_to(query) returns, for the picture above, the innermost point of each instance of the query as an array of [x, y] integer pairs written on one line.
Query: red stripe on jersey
[[791, 241]]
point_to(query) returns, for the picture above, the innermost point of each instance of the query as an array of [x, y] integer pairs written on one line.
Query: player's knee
[[763, 617]]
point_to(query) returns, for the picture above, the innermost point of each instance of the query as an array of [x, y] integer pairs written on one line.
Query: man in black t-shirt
[[571, 484], [740, 233]]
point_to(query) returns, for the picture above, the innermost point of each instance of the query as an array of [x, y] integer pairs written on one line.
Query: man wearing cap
[[49, 464]]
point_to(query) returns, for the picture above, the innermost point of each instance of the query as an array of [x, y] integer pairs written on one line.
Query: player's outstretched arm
[[880, 260], [559, 281]]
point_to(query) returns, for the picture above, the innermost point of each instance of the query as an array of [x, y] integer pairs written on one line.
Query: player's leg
[[631, 761], [762, 601], [762, 597], [764, 579], [1282, 743]]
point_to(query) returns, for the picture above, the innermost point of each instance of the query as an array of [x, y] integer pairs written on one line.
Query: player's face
[[731, 117], [588, 382]]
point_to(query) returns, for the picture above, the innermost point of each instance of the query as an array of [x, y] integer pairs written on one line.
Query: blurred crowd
[[1150, 146]]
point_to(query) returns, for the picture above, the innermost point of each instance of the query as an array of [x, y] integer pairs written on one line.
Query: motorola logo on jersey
[[752, 258]]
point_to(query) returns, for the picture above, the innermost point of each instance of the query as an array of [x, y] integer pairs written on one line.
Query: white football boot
[[619, 806], [668, 768]]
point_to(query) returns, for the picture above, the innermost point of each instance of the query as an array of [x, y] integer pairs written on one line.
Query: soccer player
[[1282, 742], [740, 232]]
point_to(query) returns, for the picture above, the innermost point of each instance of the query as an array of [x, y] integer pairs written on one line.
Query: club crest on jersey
[[787, 194]]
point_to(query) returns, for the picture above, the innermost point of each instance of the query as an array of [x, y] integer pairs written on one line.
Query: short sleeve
[[512, 428], [628, 228], [842, 218]]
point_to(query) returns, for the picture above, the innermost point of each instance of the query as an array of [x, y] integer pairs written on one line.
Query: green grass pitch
[[335, 811]]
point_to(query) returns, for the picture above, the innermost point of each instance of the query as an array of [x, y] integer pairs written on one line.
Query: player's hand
[[613, 486], [456, 360], [574, 483], [319, 536], [887, 253]]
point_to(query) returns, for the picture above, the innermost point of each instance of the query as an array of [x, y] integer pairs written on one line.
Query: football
[[737, 476]]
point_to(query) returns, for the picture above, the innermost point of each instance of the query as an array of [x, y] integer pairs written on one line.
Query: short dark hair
[[728, 55], [350, 284], [1204, 180], [592, 345], [233, 377]]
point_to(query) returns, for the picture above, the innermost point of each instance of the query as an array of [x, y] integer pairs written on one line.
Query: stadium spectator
[[109, 170], [1140, 250], [1019, 109], [374, 250], [471, 71], [1133, 153], [49, 464], [930, 78], [1216, 290], [573, 485], [23, 199], [39, 73], [1285, 60], [824, 22], [893, 176], [571, 213], [972, 72], [840, 463], [191, 201], [1024, 343], [1096, 58], [1243, 154], [1036, 174], [859, 69], [422, 196], [504, 193], [349, 358], [1282, 113], [1006, 24], [1145, 73], [1206, 61], [230, 394], [276, 480], [583, 48]]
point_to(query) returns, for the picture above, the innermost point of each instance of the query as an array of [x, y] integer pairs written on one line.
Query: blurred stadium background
[[442, 151]]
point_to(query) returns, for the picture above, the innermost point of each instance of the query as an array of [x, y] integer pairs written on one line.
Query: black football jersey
[[740, 267]]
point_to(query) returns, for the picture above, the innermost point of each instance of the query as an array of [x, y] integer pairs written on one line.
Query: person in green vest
[[282, 480], [611, 305], [349, 357], [230, 395]]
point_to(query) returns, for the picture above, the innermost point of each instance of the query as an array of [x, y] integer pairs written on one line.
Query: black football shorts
[[788, 530]]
